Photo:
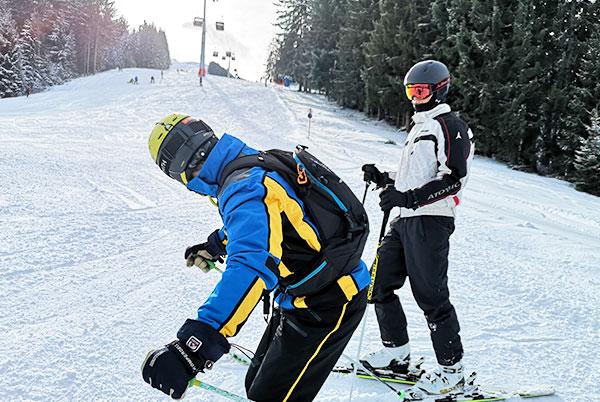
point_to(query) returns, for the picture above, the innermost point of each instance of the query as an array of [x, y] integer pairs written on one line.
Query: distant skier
[[135, 80], [161, 74], [272, 245], [152, 79], [433, 170]]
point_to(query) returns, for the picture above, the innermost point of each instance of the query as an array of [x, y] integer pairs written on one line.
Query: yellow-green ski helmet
[[179, 144]]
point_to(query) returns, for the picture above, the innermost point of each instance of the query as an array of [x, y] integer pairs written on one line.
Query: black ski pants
[[299, 348], [417, 248]]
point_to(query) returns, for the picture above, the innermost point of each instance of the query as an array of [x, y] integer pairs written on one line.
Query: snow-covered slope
[[92, 235]]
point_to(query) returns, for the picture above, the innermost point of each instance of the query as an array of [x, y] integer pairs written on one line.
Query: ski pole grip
[[365, 168]]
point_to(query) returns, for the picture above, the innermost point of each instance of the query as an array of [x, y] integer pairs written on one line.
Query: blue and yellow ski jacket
[[268, 237]]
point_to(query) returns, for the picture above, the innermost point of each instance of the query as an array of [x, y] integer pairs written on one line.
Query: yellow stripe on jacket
[[243, 310], [277, 202]]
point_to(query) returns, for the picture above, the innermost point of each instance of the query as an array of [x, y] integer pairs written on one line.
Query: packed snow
[[92, 236]]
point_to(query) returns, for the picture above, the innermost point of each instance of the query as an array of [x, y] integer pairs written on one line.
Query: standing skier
[[272, 244], [433, 170]]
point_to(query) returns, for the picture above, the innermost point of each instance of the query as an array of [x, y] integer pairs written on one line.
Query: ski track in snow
[[92, 236]]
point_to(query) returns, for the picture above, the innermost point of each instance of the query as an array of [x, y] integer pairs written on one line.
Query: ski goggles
[[185, 149], [423, 91]]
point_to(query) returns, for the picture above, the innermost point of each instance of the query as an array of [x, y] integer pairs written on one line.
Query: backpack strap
[[263, 159]]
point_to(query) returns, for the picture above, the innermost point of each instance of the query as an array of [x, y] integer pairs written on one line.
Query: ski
[[470, 392], [477, 397], [384, 375]]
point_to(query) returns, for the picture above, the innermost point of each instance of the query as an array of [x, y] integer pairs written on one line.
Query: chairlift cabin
[[215, 54], [223, 58], [233, 57], [228, 53], [220, 26], [198, 21]]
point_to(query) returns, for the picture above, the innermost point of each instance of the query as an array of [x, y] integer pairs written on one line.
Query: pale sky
[[248, 29]]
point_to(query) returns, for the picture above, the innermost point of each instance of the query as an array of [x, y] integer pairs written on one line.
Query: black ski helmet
[[180, 144], [433, 73]]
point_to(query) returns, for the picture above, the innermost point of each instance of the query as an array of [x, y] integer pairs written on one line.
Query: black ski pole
[[365, 194]]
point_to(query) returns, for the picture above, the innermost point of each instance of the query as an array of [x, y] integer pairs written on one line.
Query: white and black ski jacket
[[435, 162]]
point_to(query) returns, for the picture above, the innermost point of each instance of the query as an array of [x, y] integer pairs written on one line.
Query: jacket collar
[[227, 149], [420, 117]]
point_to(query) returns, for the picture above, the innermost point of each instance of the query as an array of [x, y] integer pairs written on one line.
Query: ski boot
[[395, 359], [442, 380]]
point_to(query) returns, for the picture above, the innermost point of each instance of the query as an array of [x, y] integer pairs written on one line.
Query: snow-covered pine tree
[[10, 75], [477, 45], [354, 34], [61, 52], [327, 17], [565, 105], [590, 67], [164, 60], [587, 158], [382, 47], [30, 62], [399, 40], [115, 56], [150, 47], [587, 97], [349, 85], [272, 58], [293, 22]]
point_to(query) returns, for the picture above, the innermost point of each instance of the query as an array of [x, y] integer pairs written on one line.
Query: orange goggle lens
[[418, 91]]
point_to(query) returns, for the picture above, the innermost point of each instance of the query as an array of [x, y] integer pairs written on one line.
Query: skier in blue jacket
[[267, 237]]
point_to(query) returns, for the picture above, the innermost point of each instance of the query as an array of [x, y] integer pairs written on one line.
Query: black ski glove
[[373, 175], [390, 198], [169, 369], [212, 250]]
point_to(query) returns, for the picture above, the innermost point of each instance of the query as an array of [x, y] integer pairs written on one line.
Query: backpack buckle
[[302, 178]]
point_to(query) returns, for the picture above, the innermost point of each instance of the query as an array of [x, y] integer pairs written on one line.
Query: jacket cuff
[[222, 235], [215, 245], [411, 200], [203, 340]]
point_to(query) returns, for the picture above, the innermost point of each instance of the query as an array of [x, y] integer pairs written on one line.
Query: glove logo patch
[[193, 343]]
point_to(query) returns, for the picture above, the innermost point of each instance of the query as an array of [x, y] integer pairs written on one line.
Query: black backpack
[[330, 204]]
